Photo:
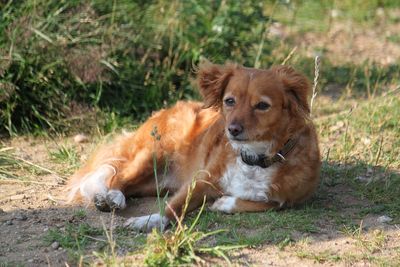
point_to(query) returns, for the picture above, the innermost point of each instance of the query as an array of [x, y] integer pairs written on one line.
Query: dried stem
[[316, 77]]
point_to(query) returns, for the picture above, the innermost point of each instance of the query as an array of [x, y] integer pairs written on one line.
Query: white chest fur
[[247, 182]]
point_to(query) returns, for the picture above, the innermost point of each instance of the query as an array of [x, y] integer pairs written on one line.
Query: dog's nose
[[235, 129]]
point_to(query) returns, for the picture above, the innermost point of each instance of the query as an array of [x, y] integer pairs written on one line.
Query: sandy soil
[[30, 210]]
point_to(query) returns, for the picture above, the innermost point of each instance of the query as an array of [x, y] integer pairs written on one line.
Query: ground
[[353, 219]]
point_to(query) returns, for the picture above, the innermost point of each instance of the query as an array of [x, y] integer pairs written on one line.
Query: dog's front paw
[[116, 199], [147, 223], [225, 204]]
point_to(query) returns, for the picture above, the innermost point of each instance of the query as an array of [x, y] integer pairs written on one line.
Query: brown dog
[[251, 146]]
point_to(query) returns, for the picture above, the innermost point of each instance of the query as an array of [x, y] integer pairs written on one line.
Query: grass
[[79, 237], [17, 169], [65, 156], [74, 237], [181, 245]]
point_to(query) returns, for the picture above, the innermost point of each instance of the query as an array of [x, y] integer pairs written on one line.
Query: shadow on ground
[[350, 198]]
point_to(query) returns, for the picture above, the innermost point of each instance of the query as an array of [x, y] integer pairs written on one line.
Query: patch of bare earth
[[347, 42], [30, 210]]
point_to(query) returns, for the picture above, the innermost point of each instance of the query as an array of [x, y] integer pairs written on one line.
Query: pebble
[[9, 223], [384, 219], [55, 245], [80, 138], [17, 197], [21, 217]]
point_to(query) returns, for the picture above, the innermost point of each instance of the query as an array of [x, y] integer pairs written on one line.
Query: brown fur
[[193, 140]]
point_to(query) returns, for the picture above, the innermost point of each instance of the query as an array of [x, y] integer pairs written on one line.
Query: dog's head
[[259, 106]]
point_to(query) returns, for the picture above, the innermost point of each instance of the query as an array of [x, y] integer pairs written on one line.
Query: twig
[[263, 37], [55, 200], [316, 76], [6, 181], [378, 154], [41, 168], [289, 56]]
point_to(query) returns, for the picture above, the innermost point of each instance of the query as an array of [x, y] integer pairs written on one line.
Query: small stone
[[21, 217], [384, 219], [17, 197], [9, 222], [55, 245], [80, 138], [366, 141], [364, 178]]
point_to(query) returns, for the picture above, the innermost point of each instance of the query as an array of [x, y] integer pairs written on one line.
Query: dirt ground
[[30, 210]]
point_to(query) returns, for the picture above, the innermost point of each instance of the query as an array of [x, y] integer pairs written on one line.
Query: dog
[[250, 146]]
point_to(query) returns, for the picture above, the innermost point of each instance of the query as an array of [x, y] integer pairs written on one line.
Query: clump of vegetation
[[17, 169], [72, 236], [65, 62], [182, 244], [61, 60]]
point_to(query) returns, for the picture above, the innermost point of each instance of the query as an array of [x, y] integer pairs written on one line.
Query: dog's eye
[[230, 101], [262, 106]]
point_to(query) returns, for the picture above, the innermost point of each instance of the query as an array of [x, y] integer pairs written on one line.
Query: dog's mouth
[[238, 139]]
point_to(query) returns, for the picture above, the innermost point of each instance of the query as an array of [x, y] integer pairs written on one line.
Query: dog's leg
[[229, 204], [174, 207], [135, 177], [90, 185]]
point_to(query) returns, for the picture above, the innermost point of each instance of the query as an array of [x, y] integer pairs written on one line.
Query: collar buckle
[[263, 161], [281, 156]]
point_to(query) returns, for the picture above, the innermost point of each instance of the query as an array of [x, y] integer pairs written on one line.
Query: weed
[[16, 169], [181, 245], [72, 236], [321, 257], [66, 155], [370, 243], [81, 214]]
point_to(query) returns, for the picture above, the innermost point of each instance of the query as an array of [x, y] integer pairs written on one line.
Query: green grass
[[77, 237], [74, 237], [14, 168], [124, 59], [65, 155]]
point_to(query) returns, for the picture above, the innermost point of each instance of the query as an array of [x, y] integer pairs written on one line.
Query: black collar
[[263, 161]]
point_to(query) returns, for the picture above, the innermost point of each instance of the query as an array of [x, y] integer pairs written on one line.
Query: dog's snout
[[235, 129]]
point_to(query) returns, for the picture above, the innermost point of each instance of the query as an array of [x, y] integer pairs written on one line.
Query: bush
[[66, 59]]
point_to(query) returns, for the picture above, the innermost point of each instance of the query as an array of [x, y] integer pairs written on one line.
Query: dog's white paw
[[116, 199], [94, 184], [225, 204], [147, 223]]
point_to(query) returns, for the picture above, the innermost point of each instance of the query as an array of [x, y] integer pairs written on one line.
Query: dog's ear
[[296, 88], [212, 80]]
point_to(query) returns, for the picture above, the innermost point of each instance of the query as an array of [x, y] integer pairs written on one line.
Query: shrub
[[65, 59]]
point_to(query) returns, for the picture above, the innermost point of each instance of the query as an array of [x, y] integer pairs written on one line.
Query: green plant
[[181, 245], [18, 169], [72, 236], [63, 61]]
